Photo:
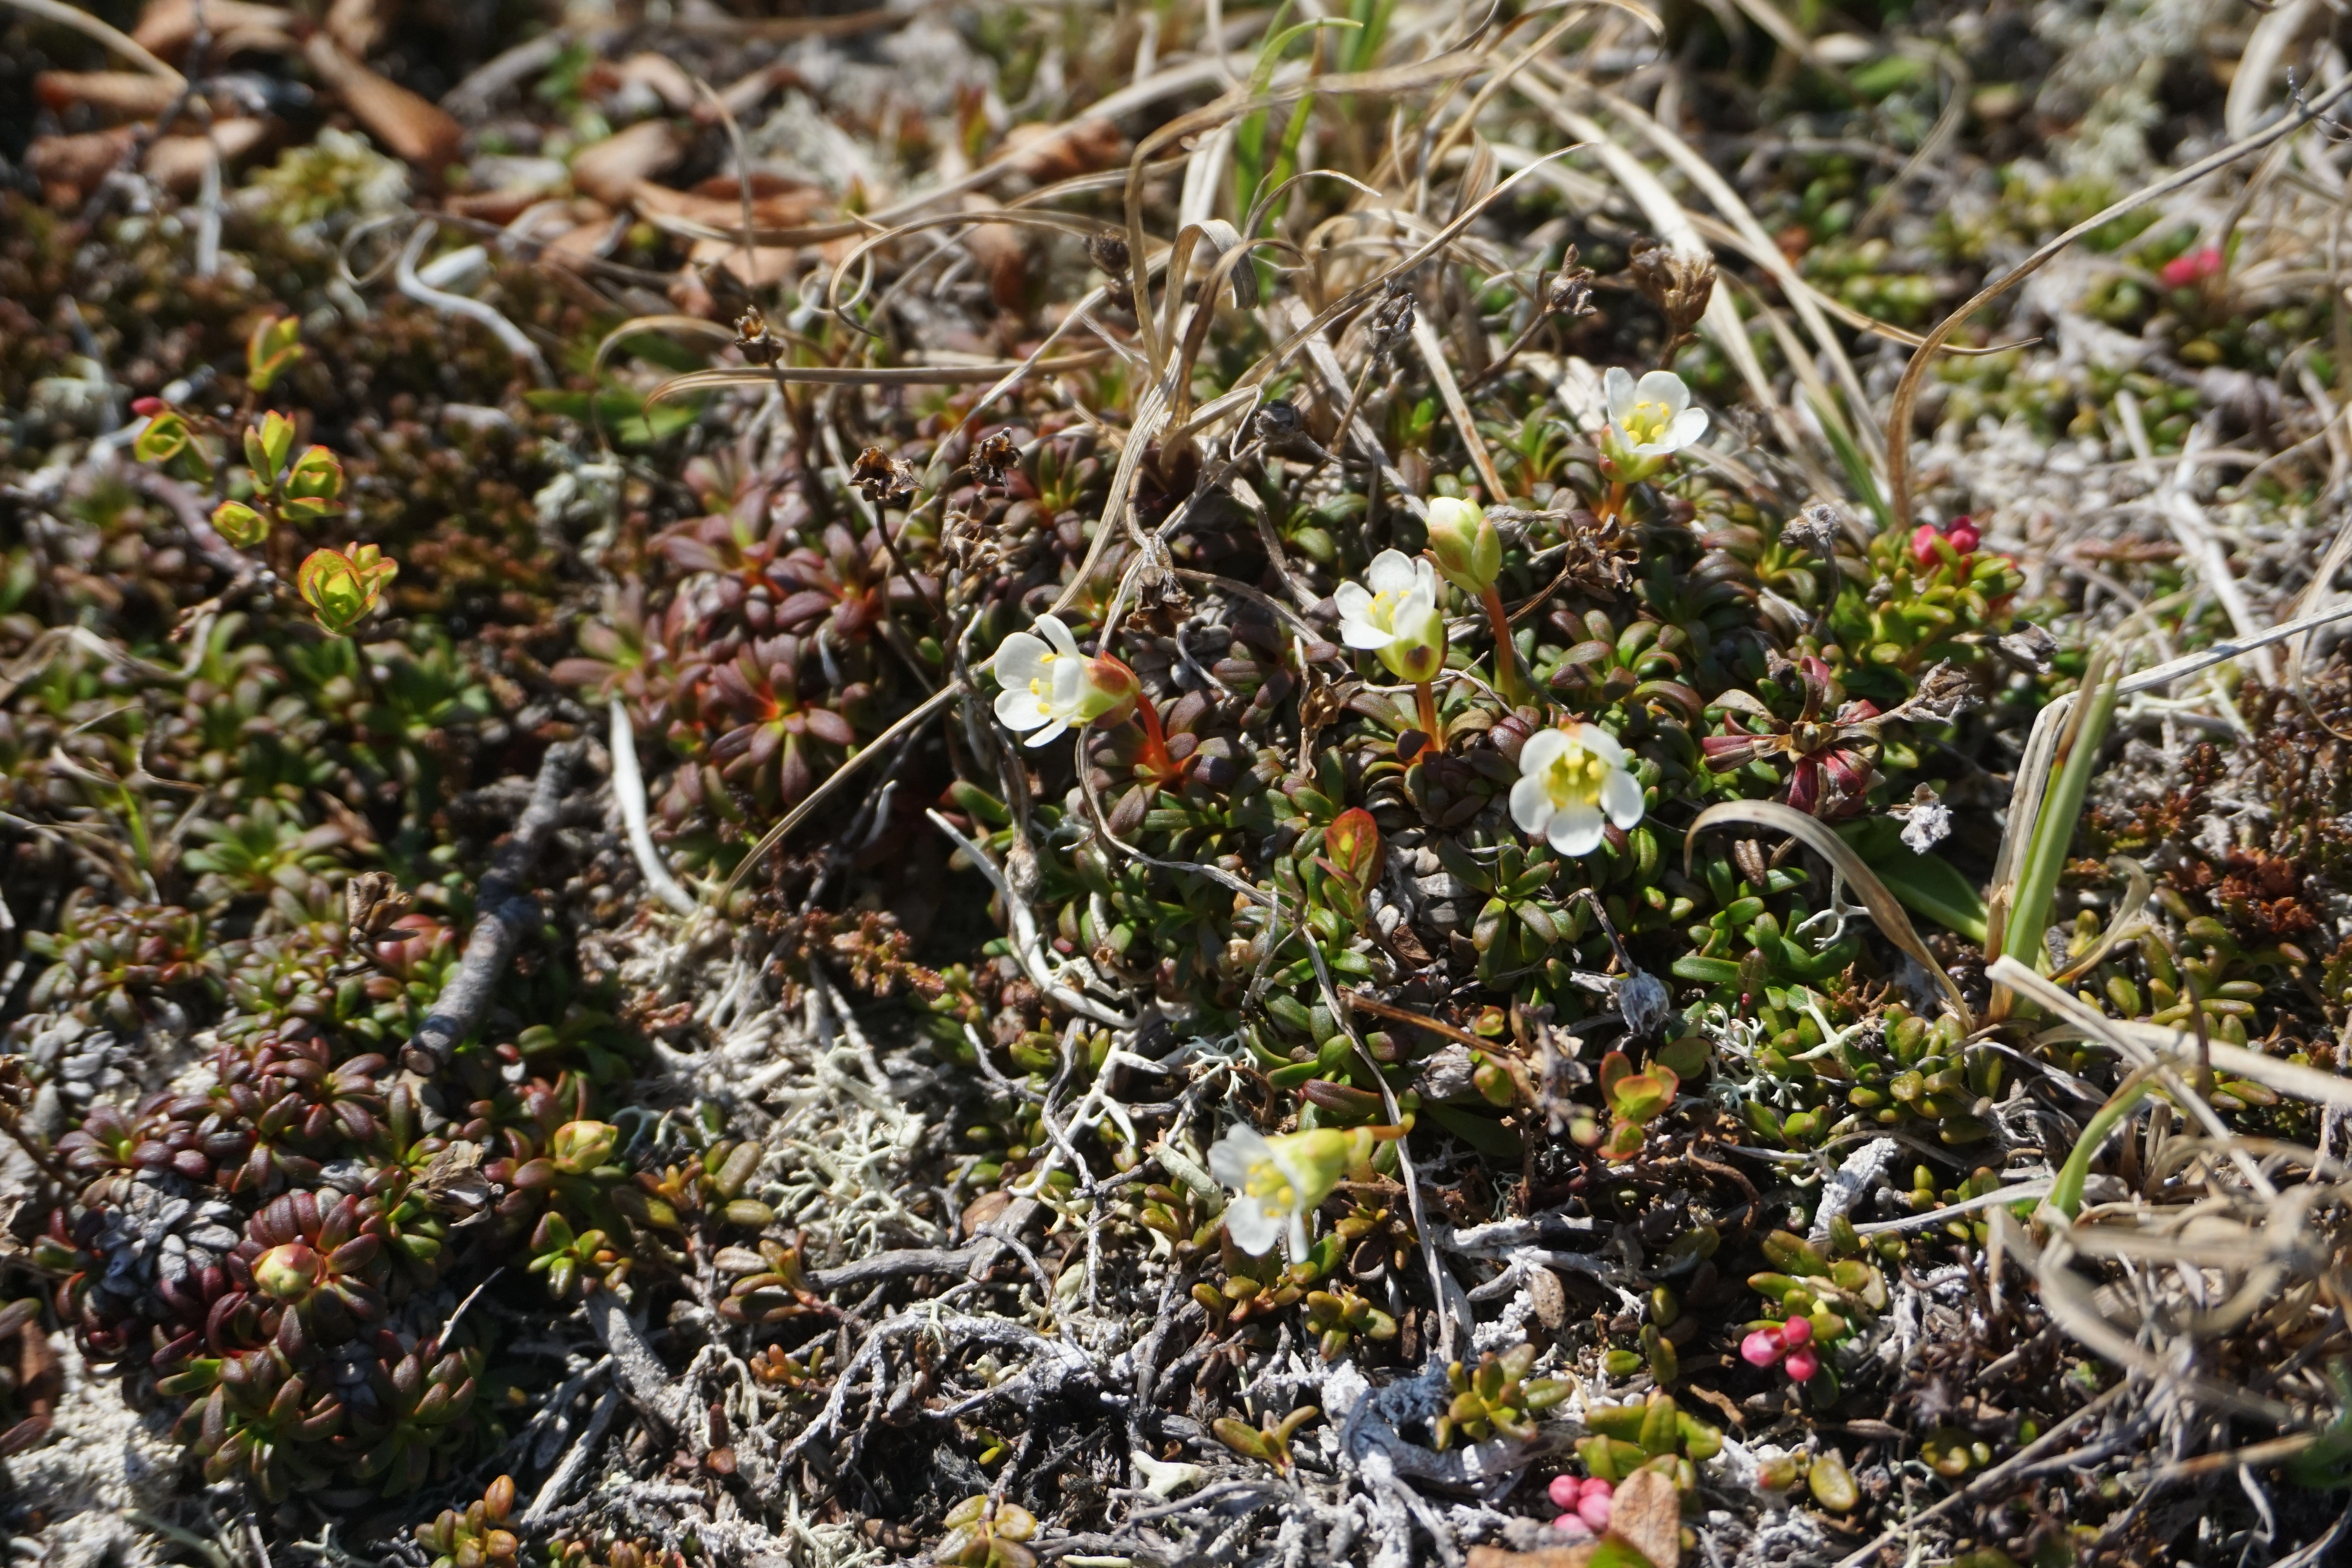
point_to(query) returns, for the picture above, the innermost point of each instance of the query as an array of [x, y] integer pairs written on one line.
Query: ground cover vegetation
[[1165, 783]]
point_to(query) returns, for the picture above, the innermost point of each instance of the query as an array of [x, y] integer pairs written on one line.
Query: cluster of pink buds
[[1585, 1503], [1961, 533], [1790, 1344], [2195, 267]]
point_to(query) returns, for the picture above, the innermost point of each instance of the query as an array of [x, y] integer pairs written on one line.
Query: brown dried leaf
[[1646, 1512], [130, 95], [70, 167], [167, 26], [413, 129], [359, 25], [177, 163], [613, 169]]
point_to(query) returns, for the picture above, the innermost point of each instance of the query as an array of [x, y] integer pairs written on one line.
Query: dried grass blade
[[862, 375], [1884, 909], [1432, 354]]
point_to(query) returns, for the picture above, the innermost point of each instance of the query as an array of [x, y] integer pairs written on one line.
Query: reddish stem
[[1506, 653], [1425, 697]]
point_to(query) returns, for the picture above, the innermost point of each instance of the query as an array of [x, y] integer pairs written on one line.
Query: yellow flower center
[[1647, 421], [1271, 1187], [1576, 776], [1037, 687]]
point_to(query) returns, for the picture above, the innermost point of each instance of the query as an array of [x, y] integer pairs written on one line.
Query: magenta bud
[[1598, 1485], [1796, 1332], [1761, 1348], [1575, 1529], [1594, 1509], [1564, 1492], [1801, 1364]]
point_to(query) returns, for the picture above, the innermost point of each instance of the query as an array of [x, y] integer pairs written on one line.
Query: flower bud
[[579, 1147], [1801, 1364], [288, 1273], [1467, 550], [1761, 1348]]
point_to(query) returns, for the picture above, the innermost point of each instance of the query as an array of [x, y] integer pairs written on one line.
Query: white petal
[[1599, 742], [1364, 635], [1424, 578], [1352, 599], [1253, 1230], [1298, 1242], [1021, 660], [1069, 686], [1452, 511], [1687, 427], [1663, 386], [1543, 748], [1017, 708], [1232, 1157], [1621, 797], [1617, 391], [1576, 828], [1050, 734], [1058, 635], [1530, 806], [1389, 572]]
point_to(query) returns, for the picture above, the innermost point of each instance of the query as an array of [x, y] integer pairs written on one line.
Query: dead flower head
[[754, 341], [1679, 286], [881, 478], [995, 457], [1107, 250], [1569, 290]]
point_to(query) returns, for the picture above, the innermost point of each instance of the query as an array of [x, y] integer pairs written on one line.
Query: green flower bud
[[1467, 550]]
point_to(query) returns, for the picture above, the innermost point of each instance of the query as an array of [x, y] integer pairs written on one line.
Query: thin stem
[[1506, 653], [1424, 696]]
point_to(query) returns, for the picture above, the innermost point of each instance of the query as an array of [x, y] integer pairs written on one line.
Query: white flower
[[1649, 421], [1403, 590], [1397, 616], [1568, 780], [1049, 686], [1280, 1180]]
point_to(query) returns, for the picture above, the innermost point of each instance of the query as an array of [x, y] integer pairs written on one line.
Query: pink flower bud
[[1964, 534], [1923, 543], [1564, 1492], [1598, 1485], [2194, 268], [1568, 1524], [1796, 1332], [1801, 1364], [1761, 1348], [1594, 1507]]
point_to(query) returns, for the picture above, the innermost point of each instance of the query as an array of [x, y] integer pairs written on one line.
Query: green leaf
[[1926, 885], [1486, 1136]]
